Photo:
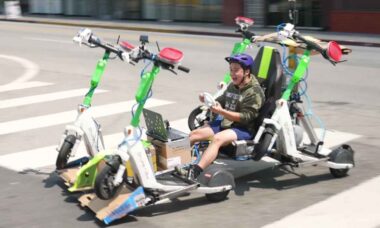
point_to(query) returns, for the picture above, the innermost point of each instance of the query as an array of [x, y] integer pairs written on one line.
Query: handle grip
[[184, 69]]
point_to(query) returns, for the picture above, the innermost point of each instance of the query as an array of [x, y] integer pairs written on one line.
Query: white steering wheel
[[83, 36], [209, 100]]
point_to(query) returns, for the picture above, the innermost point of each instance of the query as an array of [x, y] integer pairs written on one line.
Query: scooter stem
[[96, 76], [298, 74], [142, 93]]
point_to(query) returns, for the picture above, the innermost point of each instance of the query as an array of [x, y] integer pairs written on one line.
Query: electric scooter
[[279, 128], [202, 114], [85, 126], [276, 135], [109, 177]]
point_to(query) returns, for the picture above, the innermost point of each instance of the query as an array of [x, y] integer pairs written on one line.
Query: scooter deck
[[170, 178]]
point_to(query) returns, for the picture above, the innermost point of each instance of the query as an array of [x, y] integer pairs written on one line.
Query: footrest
[[311, 150]]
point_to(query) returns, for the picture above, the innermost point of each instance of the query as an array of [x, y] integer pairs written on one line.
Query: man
[[239, 105]]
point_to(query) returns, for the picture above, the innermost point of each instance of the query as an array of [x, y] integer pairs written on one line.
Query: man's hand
[[201, 98], [217, 108]]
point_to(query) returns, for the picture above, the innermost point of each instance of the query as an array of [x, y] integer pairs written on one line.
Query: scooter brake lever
[[171, 70]]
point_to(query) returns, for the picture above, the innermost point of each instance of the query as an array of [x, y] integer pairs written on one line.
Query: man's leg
[[222, 138], [200, 134]]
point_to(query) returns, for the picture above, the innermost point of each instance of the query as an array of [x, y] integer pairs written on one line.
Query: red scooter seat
[[171, 55]]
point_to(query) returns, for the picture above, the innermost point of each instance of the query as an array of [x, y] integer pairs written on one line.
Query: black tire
[[262, 147], [217, 197], [342, 154], [193, 122], [339, 173], [104, 188], [65, 152]]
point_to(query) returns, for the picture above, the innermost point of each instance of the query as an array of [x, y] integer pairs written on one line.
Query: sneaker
[[191, 174], [186, 172], [181, 171]]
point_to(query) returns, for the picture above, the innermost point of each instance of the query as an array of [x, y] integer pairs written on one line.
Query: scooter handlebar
[[83, 36], [86, 37], [332, 53], [184, 69], [309, 43]]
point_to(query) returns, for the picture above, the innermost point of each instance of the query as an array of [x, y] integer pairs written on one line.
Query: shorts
[[242, 133]]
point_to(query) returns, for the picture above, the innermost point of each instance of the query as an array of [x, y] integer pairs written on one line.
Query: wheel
[[65, 151], [217, 197], [339, 173], [342, 154], [215, 176], [262, 147], [104, 187], [194, 121]]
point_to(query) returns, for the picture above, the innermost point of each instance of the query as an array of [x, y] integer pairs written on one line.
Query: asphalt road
[[345, 97]]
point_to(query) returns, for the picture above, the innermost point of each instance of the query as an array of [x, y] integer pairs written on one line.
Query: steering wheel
[[209, 100], [83, 36]]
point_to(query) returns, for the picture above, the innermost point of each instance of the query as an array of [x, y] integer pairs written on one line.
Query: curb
[[173, 31]]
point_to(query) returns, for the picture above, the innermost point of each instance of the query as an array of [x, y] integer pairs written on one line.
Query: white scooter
[[276, 137], [157, 187], [85, 126]]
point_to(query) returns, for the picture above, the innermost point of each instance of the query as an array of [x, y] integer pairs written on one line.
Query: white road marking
[[32, 69], [69, 116], [44, 98], [46, 156], [49, 40], [334, 138], [181, 125], [356, 207], [24, 85]]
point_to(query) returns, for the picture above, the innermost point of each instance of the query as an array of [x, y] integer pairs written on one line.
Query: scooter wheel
[[104, 187], [217, 197], [194, 121], [339, 173], [262, 147], [342, 154], [65, 151]]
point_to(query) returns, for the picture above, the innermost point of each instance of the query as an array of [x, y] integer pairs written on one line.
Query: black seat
[[268, 70]]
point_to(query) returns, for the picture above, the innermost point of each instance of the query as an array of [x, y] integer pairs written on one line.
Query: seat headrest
[[268, 70]]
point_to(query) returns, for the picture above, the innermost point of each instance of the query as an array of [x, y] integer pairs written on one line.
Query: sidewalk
[[209, 29]]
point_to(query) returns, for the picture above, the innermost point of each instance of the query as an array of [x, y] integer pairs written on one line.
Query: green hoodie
[[247, 101]]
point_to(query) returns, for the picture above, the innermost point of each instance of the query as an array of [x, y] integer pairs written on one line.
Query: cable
[[309, 112], [196, 150], [302, 88]]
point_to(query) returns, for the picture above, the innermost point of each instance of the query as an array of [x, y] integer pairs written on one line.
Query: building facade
[[334, 15]]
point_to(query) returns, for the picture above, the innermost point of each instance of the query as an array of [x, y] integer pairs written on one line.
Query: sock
[[197, 170]]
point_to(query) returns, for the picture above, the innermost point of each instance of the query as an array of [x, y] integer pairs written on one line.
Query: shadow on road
[[279, 179]]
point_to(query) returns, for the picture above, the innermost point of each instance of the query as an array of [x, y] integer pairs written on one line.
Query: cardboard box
[[69, 175], [173, 153], [109, 210]]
